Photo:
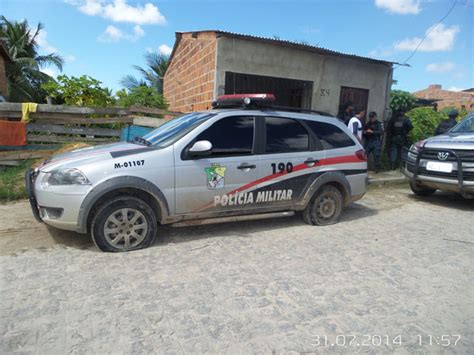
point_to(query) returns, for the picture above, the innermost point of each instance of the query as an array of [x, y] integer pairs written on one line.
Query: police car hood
[[451, 141], [88, 155]]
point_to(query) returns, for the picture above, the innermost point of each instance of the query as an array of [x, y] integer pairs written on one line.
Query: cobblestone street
[[394, 265]]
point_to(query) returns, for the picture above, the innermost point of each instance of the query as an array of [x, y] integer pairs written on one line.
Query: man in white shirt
[[356, 124]]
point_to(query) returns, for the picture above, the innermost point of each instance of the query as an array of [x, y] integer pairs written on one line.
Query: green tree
[[140, 96], [82, 91], [401, 100], [152, 76], [24, 74]]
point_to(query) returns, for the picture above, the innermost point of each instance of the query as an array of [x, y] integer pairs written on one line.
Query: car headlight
[[67, 177]]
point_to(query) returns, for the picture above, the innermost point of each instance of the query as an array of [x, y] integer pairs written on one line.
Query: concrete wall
[[3, 78], [328, 73], [189, 80]]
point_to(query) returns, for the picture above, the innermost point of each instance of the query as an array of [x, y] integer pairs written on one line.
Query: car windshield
[[171, 131], [466, 126]]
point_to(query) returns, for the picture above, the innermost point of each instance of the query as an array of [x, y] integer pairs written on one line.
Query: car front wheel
[[123, 224]]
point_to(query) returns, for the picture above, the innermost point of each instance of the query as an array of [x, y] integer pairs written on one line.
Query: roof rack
[[258, 102]]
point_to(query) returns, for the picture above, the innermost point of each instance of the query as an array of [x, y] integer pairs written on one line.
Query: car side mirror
[[201, 148]]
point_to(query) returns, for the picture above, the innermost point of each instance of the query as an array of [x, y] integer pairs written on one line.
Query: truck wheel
[[421, 191], [123, 224], [325, 207]]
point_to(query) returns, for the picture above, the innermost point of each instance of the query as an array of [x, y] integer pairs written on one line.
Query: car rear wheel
[[123, 224], [420, 190], [325, 208]]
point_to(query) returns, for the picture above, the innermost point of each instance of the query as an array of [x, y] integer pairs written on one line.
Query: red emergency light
[[243, 100]]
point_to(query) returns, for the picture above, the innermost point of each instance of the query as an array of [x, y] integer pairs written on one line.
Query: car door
[[288, 163], [213, 182]]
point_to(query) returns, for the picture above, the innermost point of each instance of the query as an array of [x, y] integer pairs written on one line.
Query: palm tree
[[151, 76], [24, 74]]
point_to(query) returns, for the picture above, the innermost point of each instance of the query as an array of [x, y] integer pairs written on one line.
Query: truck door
[[213, 182], [289, 163]]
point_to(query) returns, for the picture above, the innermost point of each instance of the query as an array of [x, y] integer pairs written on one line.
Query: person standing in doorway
[[347, 113], [356, 124], [373, 132], [398, 128]]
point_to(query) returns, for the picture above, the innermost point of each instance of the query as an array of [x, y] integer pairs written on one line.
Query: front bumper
[[56, 206], [30, 177], [460, 180]]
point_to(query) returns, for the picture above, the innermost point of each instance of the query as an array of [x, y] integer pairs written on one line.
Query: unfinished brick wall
[[446, 98], [3, 78], [189, 80]]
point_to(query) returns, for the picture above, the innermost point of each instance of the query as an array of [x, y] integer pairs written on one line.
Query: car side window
[[230, 136], [285, 135], [330, 136]]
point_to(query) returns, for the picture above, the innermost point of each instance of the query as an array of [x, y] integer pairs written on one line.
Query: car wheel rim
[[326, 207], [125, 228]]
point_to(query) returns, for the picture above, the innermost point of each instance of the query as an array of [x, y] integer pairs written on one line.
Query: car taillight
[[361, 155]]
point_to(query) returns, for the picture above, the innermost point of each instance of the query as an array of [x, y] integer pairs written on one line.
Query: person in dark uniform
[[373, 132], [398, 128], [347, 113], [445, 125]]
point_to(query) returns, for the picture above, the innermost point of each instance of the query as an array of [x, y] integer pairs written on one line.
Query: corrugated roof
[[286, 43]]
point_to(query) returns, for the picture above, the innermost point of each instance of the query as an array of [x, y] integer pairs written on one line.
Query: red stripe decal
[[328, 161]]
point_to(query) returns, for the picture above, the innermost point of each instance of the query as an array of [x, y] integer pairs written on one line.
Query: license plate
[[441, 167]]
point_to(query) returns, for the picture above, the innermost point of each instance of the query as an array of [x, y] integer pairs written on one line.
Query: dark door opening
[[288, 92], [358, 97]]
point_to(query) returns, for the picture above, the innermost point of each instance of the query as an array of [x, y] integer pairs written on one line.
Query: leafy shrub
[[424, 120], [82, 91], [401, 100], [141, 96]]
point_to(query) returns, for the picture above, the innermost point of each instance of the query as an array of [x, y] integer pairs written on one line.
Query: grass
[[12, 182]]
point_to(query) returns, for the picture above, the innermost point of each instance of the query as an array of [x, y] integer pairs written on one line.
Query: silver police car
[[228, 164]]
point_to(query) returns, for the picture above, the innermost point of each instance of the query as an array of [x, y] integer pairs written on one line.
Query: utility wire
[[405, 62]]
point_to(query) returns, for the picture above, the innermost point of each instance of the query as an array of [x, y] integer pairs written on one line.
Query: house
[[447, 98], [4, 59], [206, 64]]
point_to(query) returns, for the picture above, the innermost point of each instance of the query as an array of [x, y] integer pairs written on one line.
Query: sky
[[105, 38]]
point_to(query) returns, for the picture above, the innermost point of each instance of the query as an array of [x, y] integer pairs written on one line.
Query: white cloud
[[114, 34], [120, 11], [69, 58], [440, 67], [43, 42], [455, 88], [91, 7], [164, 49], [50, 71], [439, 38], [402, 7]]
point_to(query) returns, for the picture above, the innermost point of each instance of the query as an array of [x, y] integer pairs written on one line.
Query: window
[[230, 136], [285, 135], [330, 136]]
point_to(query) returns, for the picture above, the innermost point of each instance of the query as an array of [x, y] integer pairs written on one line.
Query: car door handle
[[246, 166], [311, 161]]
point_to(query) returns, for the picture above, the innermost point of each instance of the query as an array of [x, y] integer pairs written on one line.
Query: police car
[[245, 159]]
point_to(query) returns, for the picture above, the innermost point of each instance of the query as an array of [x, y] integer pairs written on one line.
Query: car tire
[[421, 191], [325, 207], [123, 224]]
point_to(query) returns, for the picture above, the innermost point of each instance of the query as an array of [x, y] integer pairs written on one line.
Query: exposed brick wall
[[3, 78], [189, 80], [446, 98]]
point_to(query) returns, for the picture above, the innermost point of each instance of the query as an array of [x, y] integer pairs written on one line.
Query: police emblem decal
[[443, 155], [215, 176]]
